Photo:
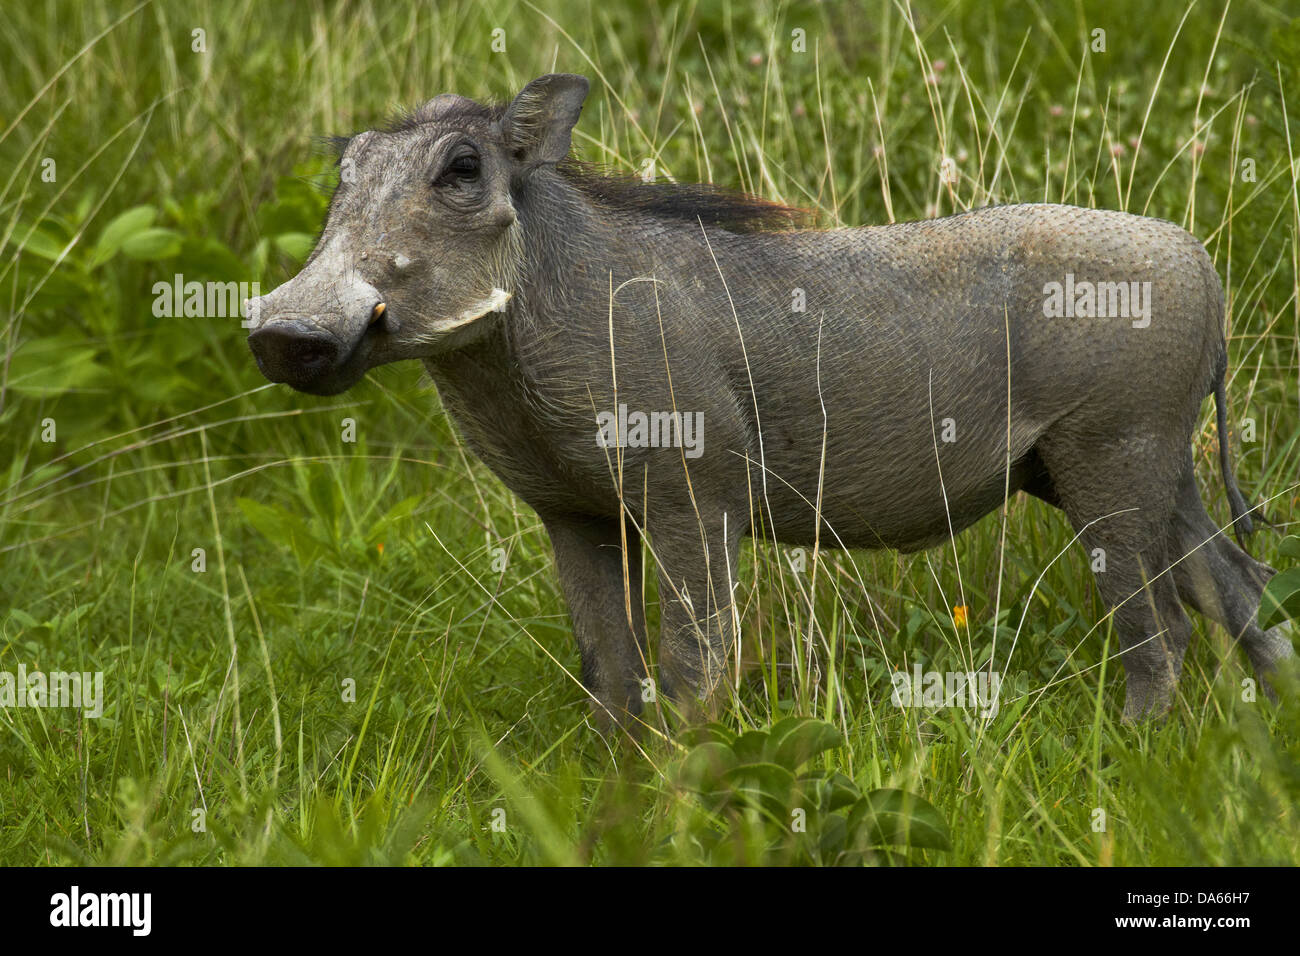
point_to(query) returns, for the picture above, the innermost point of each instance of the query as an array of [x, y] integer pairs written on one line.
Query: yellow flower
[[959, 615]]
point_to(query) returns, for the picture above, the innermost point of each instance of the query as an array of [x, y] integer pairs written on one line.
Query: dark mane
[[712, 205]]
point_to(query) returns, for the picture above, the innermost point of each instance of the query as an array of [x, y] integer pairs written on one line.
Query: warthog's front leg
[[604, 597], [697, 571]]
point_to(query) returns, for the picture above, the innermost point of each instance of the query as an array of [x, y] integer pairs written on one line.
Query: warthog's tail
[[1242, 525]]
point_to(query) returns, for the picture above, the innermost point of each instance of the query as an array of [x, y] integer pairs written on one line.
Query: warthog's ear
[[537, 125]]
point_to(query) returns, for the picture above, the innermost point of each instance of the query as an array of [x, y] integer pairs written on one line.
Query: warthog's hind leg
[[1222, 581], [1120, 496]]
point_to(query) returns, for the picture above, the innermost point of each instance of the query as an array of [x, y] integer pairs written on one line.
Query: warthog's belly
[[913, 516]]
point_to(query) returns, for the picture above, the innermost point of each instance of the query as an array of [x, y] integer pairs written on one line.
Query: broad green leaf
[[23, 618], [794, 741], [764, 784], [705, 733], [890, 817], [834, 833], [704, 767], [751, 747], [1281, 599], [83, 207], [55, 364], [123, 227], [829, 790], [41, 241], [1290, 547], [151, 244]]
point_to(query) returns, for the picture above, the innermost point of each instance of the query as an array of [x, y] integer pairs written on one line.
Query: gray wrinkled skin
[[906, 326]]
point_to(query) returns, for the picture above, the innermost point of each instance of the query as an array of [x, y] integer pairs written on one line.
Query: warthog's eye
[[463, 169]]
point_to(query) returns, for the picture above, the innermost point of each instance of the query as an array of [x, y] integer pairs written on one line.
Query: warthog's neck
[[494, 389], [527, 395]]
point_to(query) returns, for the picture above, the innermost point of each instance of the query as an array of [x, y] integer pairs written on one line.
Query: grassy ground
[[375, 665]]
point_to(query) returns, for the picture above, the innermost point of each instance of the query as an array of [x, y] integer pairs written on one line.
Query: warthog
[[858, 388]]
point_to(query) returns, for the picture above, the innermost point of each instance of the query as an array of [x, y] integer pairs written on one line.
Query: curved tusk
[[377, 312], [493, 303]]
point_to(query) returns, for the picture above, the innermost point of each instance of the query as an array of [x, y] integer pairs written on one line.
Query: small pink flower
[[1056, 109], [1117, 149], [756, 59], [940, 65]]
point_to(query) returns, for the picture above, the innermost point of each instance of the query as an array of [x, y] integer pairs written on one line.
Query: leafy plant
[[806, 815], [1281, 598]]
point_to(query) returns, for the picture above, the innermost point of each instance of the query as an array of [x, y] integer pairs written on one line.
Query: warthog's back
[[905, 341]]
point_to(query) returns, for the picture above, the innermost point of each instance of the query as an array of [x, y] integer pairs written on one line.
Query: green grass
[[379, 562]]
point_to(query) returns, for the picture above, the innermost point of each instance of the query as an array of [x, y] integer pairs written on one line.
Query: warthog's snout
[[289, 351], [319, 353]]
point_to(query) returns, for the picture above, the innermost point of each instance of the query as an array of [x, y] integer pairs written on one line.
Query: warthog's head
[[421, 243]]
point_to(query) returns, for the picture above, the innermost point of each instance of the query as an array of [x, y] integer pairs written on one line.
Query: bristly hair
[[406, 120], [712, 205], [462, 108], [335, 145]]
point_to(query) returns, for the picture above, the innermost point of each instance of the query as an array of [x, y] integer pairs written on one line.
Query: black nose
[[289, 352]]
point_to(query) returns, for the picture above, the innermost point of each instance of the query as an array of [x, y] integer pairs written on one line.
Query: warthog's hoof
[[1274, 659], [1147, 699]]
